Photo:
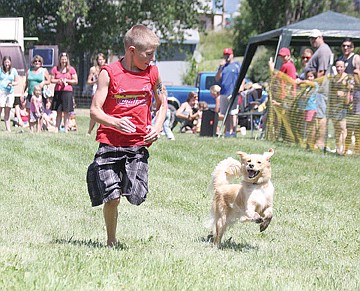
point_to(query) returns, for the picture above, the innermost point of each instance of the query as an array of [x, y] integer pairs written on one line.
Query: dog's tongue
[[251, 173]]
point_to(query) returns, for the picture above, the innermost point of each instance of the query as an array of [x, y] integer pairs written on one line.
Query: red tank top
[[130, 94]]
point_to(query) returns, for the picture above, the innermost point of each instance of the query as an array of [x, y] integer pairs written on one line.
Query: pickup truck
[[178, 94]]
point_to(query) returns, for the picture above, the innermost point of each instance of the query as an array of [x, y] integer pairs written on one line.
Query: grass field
[[51, 238]]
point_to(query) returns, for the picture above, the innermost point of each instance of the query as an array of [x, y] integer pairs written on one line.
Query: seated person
[[188, 113], [21, 115], [49, 116], [72, 121]]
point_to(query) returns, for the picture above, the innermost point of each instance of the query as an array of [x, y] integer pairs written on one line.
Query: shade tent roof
[[334, 27]]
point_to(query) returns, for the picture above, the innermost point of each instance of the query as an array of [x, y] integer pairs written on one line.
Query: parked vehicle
[[178, 94]]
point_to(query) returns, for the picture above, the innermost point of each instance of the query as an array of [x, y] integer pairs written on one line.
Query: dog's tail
[[225, 171]]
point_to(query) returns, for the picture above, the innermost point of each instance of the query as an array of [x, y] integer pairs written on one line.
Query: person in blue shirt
[[8, 79], [227, 75]]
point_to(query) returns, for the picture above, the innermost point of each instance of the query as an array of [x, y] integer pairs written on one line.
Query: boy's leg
[[110, 211]]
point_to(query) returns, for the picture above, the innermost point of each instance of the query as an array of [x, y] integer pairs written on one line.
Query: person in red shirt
[[64, 77], [287, 66], [122, 106]]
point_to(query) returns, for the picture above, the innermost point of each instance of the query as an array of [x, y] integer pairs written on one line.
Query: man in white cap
[[320, 61]]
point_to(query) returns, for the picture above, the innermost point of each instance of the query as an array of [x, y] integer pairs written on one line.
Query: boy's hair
[[215, 89], [141, 37]]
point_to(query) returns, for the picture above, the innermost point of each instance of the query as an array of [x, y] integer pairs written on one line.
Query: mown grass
[[51, 239]]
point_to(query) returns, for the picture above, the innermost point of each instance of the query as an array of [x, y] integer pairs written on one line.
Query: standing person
[[287, 66], [320, 62], [338, 103], [92, 80], [37, 75], [36, 109], [227, 74], [352, 67], [305, 58], [8, 79], [122, 106], [64, 77]]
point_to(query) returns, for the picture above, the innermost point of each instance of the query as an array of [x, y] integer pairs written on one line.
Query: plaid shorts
[[118, 171]]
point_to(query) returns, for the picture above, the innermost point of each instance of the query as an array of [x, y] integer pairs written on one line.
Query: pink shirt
[[60, 75], [129, 94]]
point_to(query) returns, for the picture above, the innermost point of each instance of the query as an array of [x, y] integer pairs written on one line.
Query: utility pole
[[223, 14]]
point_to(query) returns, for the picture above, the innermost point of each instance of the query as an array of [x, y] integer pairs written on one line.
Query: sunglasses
[[37, 61], [347, 45]]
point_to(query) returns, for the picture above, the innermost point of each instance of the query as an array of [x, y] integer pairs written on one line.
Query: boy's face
[[143, 58]]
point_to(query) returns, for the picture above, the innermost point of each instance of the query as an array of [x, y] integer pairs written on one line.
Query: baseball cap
[[315, 33], [284, 52], [228, 51]]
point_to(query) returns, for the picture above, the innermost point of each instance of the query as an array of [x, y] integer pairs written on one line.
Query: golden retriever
[[251, 200]]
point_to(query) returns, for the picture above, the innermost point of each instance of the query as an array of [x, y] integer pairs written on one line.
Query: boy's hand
[[152, 135], [124, 124]]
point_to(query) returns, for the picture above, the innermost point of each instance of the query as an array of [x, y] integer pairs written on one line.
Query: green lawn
[[51, 238]]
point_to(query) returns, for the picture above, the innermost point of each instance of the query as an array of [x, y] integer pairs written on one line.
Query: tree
[[264, 15], [97, 25]]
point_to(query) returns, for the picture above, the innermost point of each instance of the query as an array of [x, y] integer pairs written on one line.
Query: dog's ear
[[269, 153], [242, 155]]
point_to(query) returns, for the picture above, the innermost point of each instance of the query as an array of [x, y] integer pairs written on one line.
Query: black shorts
[[63, 101], [118, 171]]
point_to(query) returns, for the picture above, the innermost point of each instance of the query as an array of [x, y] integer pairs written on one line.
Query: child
[[21, 115], [215, 92], [310, 108], [36, 109], [72, 121], [122, 107], [202, 107], [49, 116], [339, 100]]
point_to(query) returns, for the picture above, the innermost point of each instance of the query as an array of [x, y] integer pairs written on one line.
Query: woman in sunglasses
[[37, 75], [352, 67]]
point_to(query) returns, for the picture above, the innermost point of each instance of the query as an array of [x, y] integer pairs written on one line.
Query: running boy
[[122, 104]]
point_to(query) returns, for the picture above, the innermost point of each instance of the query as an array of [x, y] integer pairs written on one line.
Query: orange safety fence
[[323, 114]]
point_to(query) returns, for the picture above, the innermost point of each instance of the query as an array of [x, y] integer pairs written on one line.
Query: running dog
[[251, 200]]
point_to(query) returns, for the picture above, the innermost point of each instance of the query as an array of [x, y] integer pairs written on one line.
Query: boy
[[121, 105]]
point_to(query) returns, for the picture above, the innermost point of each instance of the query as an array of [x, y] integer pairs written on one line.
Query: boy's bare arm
[[160, 96], [96, 110]]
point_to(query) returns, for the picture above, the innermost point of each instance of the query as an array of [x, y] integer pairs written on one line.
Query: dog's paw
[[257, 218], [265, 224]]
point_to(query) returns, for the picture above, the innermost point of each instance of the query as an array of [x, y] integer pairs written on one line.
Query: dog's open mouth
[[252, 174]]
